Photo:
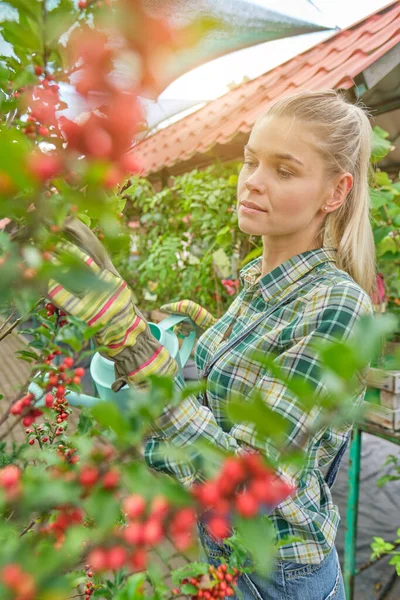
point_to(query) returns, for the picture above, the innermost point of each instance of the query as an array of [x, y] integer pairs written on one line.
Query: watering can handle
[[188, 342], [73, 398]]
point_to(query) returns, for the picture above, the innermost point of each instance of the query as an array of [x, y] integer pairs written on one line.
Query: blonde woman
[[304, 189]]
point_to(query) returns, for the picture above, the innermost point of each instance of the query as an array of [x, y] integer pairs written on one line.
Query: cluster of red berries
[[89, 585], [243, 486], [66, 517], [89, 476], [145, 530], [25, 405], [69, 455], [21, 583], [219, 583], [10, 482], [51, 310], [34, 128], [38, 432]]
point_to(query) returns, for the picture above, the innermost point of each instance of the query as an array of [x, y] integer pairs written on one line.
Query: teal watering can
[[102, 369]]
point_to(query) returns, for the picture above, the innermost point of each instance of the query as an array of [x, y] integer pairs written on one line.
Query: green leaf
[[85, 423], [103, 508], [190, 570], [108, 415], [395, 560], [133, 588], [380, 233], [255, 253], [258, 536], [380, 145], [380, 198]]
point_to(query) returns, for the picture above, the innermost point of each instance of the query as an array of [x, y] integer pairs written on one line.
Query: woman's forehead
[[282, 135]]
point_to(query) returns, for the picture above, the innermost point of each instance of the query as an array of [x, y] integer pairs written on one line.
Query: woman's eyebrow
[[278, 155]]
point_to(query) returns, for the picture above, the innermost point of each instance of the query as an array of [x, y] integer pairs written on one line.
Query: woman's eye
[[284, 174], [250, 163]]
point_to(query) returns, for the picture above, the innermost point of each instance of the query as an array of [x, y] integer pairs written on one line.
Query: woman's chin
[[250, 228]]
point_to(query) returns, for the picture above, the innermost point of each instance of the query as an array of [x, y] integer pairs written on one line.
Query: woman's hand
[[201, 318]]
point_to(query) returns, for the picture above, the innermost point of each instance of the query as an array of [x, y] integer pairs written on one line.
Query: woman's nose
[[254, 185]]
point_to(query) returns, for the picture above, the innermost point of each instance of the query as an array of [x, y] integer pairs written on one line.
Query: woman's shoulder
[[337, 289]]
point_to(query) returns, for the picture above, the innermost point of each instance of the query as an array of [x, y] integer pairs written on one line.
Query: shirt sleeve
[[180, 428], [330, 315]]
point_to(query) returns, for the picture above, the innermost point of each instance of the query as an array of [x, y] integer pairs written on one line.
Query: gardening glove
[[123, 331], [201, 318]]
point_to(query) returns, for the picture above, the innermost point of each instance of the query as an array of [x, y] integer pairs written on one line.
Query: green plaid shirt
[[325, 309]]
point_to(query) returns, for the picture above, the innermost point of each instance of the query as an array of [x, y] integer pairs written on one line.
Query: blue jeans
[[287, 580]]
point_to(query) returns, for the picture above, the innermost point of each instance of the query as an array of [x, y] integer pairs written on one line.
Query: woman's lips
[[251, 211]]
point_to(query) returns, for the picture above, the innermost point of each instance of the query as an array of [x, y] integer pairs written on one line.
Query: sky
[[211, 80]]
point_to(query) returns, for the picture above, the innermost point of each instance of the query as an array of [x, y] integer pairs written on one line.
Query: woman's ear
[[342, 188]]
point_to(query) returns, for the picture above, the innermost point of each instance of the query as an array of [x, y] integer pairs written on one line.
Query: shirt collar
[[290, 271]]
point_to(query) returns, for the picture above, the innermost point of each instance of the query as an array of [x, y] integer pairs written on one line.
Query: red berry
[[69, 362], [43, 131], [76, 380], [88, 476], [53, 380], [139, 559], [26, 400], [98, 559], [82, 4], [31, 442], [116, 557], [90, 574], [111, 479], [60, 393], [44, 166], [134, 505], [246, 504], [49, 400], [16, 408], [159, 506], [45, 439], [9, 476], [11, 575], [208, 493], [133, 534], [79, 372], [233, 470], [218, 527], [152, 532], [38, 70]]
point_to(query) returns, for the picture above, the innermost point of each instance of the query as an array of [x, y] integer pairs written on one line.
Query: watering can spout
[[102, 369]]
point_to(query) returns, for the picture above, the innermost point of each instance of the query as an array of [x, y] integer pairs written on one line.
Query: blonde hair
[[345, 139]]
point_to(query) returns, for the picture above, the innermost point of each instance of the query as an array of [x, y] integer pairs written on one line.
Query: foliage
[[188, 243]]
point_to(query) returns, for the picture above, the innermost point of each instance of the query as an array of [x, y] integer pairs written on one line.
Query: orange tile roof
[[333, 63]]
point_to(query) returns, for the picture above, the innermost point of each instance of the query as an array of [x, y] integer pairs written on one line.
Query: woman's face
[[283, 174]]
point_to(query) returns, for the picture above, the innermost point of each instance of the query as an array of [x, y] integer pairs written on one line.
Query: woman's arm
[[330, 315]]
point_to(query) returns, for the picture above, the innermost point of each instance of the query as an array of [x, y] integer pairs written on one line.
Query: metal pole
[[353, 488]]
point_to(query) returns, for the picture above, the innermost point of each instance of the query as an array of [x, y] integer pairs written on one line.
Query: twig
[[31, 524], [11, 316], [17, 322], [375, 560], [217, 297]]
